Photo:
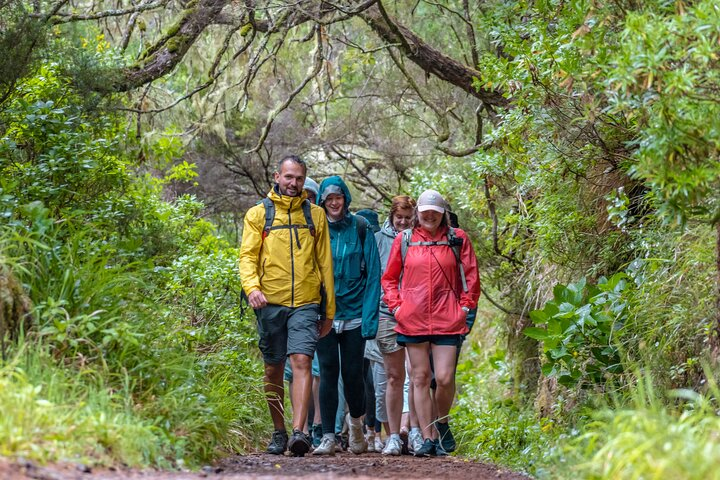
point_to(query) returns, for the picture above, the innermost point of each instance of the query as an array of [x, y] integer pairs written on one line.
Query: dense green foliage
[[604, 180], [592, 201], [135, 299]]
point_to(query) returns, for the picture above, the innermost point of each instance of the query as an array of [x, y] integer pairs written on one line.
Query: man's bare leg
[[301, 388], [275, 393]]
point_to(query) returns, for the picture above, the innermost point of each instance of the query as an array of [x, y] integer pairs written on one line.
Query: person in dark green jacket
[[356, 270]]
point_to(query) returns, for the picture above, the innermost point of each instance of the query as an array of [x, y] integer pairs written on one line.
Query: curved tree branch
[[317, 66], [428, 58], [161, 58]]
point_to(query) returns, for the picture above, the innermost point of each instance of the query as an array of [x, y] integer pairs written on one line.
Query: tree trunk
[[715, 332], [15, 308], [523, 354]]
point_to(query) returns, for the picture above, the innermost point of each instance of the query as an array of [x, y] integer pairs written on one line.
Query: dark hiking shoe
[[317, 434], [299, 444], [344, 441], [279, 442], [427, 449], [446, 437], [439, 450], [405, 450]]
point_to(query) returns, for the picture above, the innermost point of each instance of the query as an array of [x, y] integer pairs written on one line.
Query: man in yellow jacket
[[285, 264]]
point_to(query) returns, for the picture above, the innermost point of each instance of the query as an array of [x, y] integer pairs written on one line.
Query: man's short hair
[[294, 159]]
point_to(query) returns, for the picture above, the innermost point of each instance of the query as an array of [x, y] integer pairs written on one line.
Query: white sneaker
[[370, 439], [326, 447], [415, 440], [379, 445], [357, 443], [393, 447]]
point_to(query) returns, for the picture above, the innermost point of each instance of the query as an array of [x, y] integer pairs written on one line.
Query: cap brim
[[423, 208]]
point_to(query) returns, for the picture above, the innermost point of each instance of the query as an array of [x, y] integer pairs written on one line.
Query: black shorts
[[447, 340], [286, 331]]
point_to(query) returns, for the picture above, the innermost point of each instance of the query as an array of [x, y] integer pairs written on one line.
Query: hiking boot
[[427, 449], [299, 444], [439, 450], [341, 440], [416, 441], [405, 442], [370, 439], [279, 442], [393, 447], [326, 447], [356, 442], [446, 437], [379, 445], [316, 434]]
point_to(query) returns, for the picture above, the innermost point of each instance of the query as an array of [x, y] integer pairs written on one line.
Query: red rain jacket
[[430, 296]]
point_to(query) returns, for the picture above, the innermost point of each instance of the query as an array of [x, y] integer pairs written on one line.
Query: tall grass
[[50, 413], [656, 435], [114, 371]]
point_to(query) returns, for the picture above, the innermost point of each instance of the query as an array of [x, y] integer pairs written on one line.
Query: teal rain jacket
[[356, 267]]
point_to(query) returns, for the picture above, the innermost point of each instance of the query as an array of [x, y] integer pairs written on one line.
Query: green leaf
[[538, 316], [536, 333]]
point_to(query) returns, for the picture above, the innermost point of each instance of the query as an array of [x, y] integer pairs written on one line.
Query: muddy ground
[[260, 466]]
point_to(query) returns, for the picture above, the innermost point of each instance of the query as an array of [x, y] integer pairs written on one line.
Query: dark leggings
[[349, 346], [369, 395]]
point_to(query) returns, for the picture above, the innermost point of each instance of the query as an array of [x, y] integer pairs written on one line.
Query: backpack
[[453, 241], [270, 217]]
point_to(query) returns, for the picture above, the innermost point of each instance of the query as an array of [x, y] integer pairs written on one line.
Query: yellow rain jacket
[[289, 265]]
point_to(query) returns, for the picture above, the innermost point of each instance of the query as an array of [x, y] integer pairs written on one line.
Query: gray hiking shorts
[[286, 331], [386, 337]]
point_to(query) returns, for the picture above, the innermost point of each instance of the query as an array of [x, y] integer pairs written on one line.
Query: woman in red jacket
[[439, 286]]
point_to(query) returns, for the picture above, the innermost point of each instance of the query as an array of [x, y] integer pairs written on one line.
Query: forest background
[[576, 140]]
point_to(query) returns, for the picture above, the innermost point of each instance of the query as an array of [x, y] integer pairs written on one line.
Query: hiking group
[[370, 318]]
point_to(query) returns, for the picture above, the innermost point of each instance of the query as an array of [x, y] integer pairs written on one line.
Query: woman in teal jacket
[[356, 268]]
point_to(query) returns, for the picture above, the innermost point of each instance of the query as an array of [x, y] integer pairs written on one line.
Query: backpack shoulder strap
[[269, 216], [455, 246], [362, 228], [405, 243], [308, 216]]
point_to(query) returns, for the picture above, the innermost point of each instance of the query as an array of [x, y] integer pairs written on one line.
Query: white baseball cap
[[431, 200]]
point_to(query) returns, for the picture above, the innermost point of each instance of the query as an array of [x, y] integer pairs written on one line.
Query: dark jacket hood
[[336, 181]]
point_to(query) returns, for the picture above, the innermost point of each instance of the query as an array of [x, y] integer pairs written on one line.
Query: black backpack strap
[[269, 216], [308, 216], [362, 228], [455, 246]]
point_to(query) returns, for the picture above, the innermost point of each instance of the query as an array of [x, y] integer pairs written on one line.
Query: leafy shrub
[[581, 323]]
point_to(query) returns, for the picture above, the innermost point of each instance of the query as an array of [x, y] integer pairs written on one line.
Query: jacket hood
[[335, 181], [388, 230], [371, 216]]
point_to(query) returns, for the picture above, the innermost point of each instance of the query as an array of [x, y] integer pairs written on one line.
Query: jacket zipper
[[292, 259]]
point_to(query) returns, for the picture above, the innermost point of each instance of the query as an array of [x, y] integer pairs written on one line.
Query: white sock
[[395, 436]]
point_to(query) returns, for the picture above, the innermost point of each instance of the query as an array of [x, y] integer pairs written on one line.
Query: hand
[[257, 299], [325, 327]]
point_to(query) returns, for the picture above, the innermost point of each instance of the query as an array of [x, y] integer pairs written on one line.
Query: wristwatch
[[465, 309]]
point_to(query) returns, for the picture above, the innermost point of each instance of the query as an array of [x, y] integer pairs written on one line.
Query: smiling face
[[430, 220], [335, 206], [290, 178], [403, 218]]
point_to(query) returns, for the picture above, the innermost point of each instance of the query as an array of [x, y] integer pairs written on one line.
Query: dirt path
[[268, 467]]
